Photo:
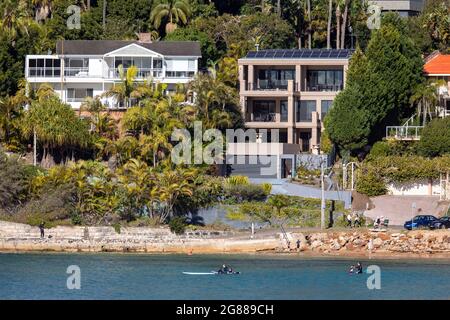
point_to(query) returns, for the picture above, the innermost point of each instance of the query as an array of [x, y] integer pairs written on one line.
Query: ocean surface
[[129, 276]]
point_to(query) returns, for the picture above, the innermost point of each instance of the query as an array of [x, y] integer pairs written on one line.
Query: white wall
[[423, 188], [95, 67]]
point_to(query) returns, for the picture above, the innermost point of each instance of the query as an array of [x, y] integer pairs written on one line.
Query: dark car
[[421, 221], [441, 223]]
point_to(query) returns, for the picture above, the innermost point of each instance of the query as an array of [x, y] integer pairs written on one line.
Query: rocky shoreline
[[16, 237]]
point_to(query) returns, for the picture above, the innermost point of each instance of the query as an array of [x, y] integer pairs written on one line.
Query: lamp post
[[413, 208]]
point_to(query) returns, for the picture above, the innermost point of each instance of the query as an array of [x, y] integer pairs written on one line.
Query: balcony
[[143, 73], [180, 74], [263, 117], [322, 88], [79, 72], [42, 72]]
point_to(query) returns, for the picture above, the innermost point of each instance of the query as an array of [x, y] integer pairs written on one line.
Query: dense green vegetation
[[99, 171]]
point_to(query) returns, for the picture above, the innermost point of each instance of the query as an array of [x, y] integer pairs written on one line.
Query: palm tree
[[338, 23], [122, 91], [172, 12], [344, 23], [426, 97], [42, 9], [14, 19], [330, 13]]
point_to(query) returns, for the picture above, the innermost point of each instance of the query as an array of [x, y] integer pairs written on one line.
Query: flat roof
[[300, 54]]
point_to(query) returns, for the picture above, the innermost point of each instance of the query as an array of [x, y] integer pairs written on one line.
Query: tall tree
[[171, 13], [330, 13]]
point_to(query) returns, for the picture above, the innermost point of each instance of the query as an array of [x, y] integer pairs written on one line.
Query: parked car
[[441, 223], [421, 221]]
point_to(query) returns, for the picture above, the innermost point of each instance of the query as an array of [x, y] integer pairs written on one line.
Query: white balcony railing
[[42, 72], [143, 73], [82, 72]]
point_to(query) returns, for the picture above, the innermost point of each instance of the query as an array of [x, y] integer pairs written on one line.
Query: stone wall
[[365, 242], [20, 237]]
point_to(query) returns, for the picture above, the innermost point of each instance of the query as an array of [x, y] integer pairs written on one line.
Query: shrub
[[267, 187], [379, 149], [435, 138], [239, 193], [117, 227], [178, 225], [370, 183], [237, 180]]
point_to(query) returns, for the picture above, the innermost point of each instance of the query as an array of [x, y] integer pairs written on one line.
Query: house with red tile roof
[[437, 67]]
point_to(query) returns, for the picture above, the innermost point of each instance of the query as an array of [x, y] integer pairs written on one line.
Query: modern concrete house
[[88, 68], [290, 91], [405, 8]]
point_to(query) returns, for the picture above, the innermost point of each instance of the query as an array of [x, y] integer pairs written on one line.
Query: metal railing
[[263, 117], [179, 74], [321, 87], [404, 132], [143, 73], [76, 72], [43, 72]]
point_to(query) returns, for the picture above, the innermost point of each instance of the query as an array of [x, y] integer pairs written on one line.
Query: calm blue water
[[120, 276]]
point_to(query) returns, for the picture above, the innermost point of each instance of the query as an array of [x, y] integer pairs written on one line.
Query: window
[[264, 110], [79, 94], [44, 67], [191, 65], [284, 111], [180, 74], [325, 106], [274, 79], [305, 108], [324, 80]]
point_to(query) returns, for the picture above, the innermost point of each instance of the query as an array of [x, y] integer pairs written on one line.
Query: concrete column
[[243, 109], [291, 119], [277, 110], [251, 75], [290, 86], [241, 72], [298, 77], [314, 131]]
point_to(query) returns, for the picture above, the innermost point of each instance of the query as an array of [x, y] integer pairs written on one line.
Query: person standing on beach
[[298, 244], [349, 220], [41, 228]]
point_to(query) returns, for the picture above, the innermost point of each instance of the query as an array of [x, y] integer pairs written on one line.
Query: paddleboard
[[199, 273]]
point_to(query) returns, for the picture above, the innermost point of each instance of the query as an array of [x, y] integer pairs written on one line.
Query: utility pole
[[323, 204], [104, 14], [34, 147]]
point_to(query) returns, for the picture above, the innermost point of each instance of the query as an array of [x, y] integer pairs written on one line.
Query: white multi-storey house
[[88, 68]]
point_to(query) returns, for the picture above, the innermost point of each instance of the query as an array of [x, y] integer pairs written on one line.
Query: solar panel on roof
[[315, 54], [270, 54], [251, 54], [279, 53], [260, 54]]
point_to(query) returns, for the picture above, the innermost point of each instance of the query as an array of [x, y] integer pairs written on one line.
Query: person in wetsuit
[[359, 268]]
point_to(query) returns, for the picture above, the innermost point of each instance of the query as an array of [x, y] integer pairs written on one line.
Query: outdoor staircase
[[406, 132]]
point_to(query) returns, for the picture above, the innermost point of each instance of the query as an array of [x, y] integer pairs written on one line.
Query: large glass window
[[305, 108], [44, 67], [274, 79], [324, 80], [79, 94], [325, 106], [264, 110], [284, 111], [157, 63]]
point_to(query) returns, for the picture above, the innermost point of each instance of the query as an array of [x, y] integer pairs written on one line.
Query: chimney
[[144, 37]]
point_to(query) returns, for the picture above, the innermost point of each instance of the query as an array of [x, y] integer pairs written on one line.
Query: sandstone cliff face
[[416, 242], [20, 237]]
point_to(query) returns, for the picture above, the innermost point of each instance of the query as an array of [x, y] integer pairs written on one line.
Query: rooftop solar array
[[300, 54]]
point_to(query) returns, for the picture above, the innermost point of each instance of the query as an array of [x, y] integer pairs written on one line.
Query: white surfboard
[[199, 273]]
